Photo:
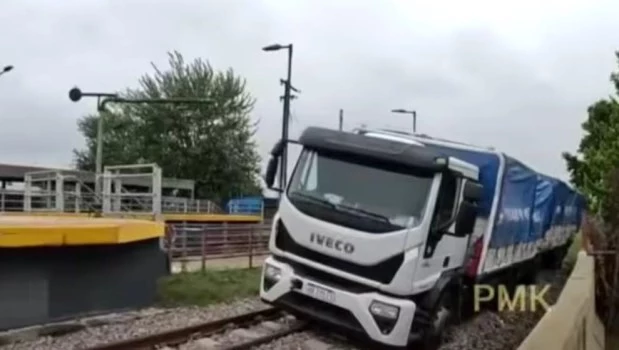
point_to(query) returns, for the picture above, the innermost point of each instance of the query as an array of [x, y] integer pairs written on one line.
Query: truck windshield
[[387, 194]]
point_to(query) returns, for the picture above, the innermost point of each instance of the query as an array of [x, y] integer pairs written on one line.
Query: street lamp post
[[292, 88], [6, 69], [413, 113], [286, 112], [75, 94]]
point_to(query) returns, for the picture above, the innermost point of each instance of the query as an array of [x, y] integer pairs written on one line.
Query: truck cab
[[371, 234]]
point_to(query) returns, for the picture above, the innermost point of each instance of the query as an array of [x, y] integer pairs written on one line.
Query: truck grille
[[382, 272]]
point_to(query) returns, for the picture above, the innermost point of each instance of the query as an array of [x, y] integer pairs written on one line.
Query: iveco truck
[[384, 233]]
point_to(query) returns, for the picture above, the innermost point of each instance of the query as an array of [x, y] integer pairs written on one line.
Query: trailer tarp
[[488, 164], [543, 207], [529, 203], [516, 202]]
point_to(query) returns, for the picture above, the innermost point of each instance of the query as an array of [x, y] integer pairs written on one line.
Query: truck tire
[[564, 250], [530, 271], [557, 256], [443, 316]]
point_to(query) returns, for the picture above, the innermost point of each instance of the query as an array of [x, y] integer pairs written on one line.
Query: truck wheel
[[556, 258], [564, 250], [530, 271], [442, 317]]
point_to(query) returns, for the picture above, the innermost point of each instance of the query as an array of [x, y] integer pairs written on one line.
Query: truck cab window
[[381, 194], [446, 202], [309, 175]]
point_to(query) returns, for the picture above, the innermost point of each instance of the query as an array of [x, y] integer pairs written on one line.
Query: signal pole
[[411, 112]]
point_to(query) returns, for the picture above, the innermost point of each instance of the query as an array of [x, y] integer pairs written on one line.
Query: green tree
[[211, 143], [598, 152]]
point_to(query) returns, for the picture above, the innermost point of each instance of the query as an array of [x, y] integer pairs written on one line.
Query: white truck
[[384, 233]]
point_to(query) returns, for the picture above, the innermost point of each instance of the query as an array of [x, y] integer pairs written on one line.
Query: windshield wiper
[[341, 207], [363, 212], [312, 198]]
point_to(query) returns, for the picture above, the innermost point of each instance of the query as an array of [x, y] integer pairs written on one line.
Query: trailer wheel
[[564, 250], [530, 271], [556, 258]]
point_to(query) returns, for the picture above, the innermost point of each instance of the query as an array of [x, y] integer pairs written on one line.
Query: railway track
[[272, 329], [252, 329]]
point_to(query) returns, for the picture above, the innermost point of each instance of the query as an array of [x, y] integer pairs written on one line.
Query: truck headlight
[[384, 310], [385, 315], [272, 273]]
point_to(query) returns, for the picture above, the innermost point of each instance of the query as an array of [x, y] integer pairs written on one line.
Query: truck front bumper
[[384, 319]]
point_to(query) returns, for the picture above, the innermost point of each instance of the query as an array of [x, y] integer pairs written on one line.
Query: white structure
[[126, 190]]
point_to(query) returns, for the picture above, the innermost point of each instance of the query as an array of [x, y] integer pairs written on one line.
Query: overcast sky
[[515, 75]]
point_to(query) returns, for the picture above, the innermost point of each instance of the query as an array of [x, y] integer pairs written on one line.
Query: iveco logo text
[[329, 242]]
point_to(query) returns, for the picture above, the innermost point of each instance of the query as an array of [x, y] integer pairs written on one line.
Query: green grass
[[208, 287]]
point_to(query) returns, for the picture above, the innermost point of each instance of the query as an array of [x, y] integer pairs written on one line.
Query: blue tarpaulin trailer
[[524, 212]]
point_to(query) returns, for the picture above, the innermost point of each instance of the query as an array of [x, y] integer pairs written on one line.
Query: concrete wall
[[45, 284], [571, 324]]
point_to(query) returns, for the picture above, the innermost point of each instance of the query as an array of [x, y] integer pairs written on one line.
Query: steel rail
[[267, 338], [182, 335]]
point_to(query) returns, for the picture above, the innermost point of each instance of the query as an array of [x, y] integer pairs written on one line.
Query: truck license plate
[[319, 293]]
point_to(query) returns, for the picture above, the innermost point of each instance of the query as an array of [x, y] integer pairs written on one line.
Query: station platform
[[167, 217], [34, 231], [57, 267]]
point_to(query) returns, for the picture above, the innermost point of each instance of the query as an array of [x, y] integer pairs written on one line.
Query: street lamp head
[[276, 47], [7, 69], [399, 110], [273, 47], [75, 94]]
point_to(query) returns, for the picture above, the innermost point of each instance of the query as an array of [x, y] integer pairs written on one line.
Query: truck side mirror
[[465, 220], [472, 191], [467, 214], [278, 149], [269, 177]]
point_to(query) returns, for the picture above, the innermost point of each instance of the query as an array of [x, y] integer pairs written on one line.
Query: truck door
[[442, 251]]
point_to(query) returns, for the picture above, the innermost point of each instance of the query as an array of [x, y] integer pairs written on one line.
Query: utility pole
[[286, 112], [341, 119], [284, 171], [292, 88]]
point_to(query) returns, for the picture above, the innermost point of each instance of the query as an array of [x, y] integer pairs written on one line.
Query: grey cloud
[[467, 83]]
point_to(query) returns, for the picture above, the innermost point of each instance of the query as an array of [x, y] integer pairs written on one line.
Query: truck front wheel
[[442, 317]]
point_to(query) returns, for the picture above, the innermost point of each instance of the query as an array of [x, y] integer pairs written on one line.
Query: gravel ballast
[[489, 330], [154, 321]]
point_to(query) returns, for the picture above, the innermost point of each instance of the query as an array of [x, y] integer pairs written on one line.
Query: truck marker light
[[384, 310], [440, 161]]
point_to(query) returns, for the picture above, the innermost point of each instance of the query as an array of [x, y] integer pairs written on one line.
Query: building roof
[[13, 172], [17, 173]]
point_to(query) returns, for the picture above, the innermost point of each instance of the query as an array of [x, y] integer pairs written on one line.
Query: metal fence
[[189, 242], [82, 199], [188, 205]]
